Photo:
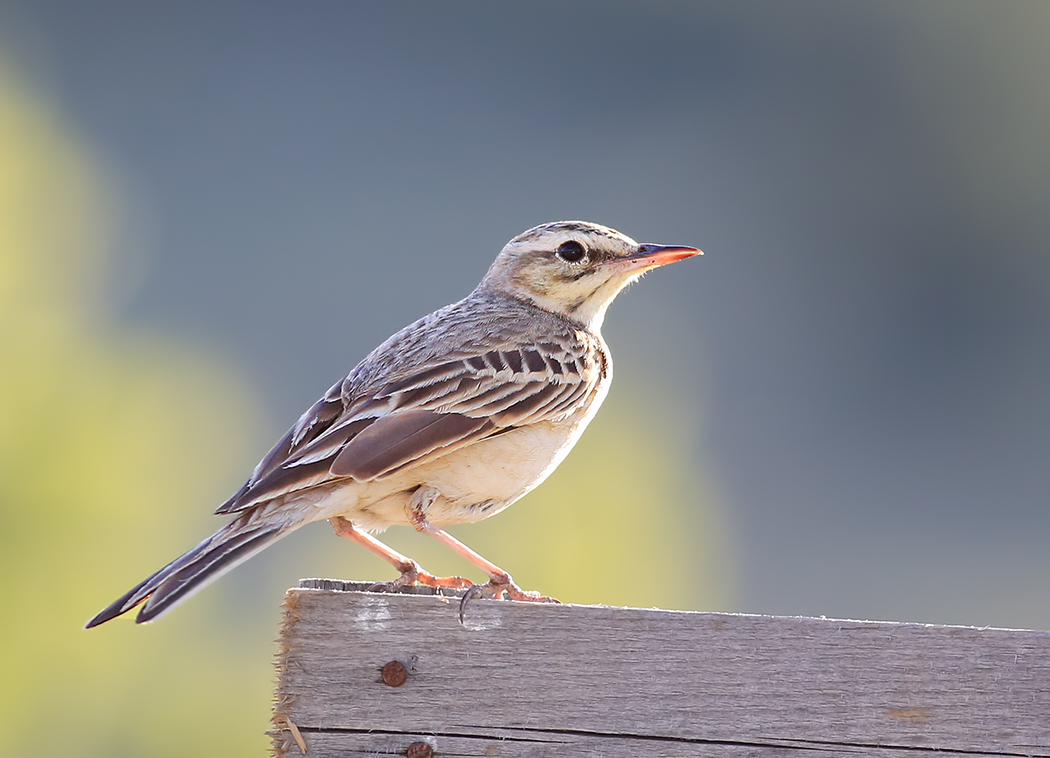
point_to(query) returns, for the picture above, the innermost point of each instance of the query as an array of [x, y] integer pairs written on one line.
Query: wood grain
[[518, 679]]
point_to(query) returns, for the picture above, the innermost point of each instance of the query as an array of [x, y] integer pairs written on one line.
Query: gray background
[[863, 351]]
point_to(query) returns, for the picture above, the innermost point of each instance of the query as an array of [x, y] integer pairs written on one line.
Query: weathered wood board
[[519, 679]]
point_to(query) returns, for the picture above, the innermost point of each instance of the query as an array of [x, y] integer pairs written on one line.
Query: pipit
[[449, 421]]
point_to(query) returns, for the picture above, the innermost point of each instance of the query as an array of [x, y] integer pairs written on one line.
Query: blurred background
[[210, 212]]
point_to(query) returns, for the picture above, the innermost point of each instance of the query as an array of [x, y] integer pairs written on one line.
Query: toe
[[430, 580]]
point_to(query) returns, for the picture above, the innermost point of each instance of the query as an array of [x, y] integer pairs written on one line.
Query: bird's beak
[[652, 256]]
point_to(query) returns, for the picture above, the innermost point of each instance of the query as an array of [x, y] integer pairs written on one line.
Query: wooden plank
[[519, 679]]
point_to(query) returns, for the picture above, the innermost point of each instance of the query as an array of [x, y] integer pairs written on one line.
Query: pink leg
[[411, 572], [500, 581]]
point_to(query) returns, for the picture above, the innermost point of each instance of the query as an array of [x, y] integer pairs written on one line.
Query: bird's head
[[575, 268]]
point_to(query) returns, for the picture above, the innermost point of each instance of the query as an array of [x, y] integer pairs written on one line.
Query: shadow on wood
[[519, 679]]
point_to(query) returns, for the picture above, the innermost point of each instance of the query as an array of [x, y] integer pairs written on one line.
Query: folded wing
[[430, 412]]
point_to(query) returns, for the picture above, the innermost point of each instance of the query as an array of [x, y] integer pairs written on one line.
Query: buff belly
[[474, 482]]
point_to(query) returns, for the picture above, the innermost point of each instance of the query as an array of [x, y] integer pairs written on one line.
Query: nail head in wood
[[419, 750], [394, 675]]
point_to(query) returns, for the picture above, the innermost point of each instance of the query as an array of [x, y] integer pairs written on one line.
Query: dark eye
[[571, 251]]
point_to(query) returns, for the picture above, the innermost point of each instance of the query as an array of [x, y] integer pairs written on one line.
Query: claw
[[495, 588]]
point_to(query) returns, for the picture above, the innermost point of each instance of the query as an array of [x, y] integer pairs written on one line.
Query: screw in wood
[[419, 750], [395, 674]]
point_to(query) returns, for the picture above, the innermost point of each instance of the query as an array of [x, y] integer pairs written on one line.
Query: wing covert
[[424, 414]]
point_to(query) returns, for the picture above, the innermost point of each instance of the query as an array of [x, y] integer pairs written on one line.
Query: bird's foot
[[498, 586], [413, 573]]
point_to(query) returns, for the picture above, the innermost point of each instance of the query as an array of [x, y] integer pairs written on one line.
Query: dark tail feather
[[230, 546]]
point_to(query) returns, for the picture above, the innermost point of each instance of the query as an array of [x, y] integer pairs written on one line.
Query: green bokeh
[[114, 444]]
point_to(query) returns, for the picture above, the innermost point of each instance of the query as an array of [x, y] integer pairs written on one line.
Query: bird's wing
[[424, 414]]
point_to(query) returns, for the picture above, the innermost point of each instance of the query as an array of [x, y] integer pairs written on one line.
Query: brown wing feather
[[269, 479], [402, 437], [426, 414]]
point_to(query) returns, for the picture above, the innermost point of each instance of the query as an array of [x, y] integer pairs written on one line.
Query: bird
[[449, 421]]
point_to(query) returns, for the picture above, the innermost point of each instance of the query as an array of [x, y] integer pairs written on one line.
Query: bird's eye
[[571, 251]]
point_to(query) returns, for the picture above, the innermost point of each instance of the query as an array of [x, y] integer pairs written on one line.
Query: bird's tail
[[230, 546]]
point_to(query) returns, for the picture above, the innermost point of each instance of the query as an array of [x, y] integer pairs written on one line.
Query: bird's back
[[483, 322]]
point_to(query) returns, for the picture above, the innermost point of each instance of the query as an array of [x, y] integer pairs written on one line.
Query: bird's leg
[[500, 582], [411, 572]]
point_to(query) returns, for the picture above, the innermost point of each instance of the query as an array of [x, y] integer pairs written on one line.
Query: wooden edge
[[364, 730], [353, 585], [344, 585]]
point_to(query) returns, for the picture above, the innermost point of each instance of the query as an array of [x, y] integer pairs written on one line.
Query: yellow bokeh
[[115, 444], [103, 433]]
